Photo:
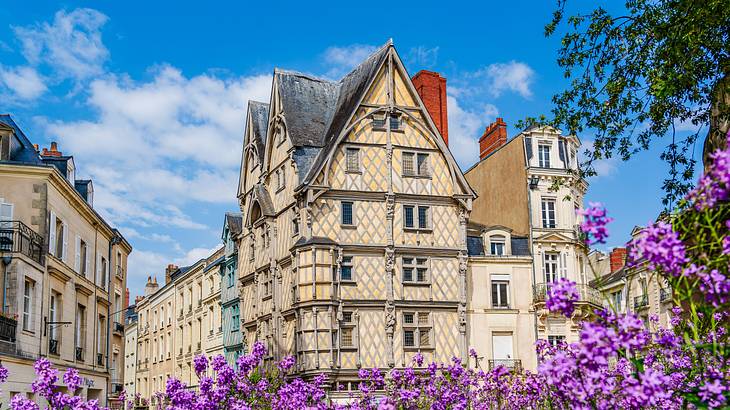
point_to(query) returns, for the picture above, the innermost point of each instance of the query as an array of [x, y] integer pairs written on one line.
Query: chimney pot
[[495, 136], [431, 87], [54, 146], [36, 147]]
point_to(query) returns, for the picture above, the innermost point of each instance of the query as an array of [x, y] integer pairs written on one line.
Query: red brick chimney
[[432, 89], [168, 272], [617, 259], [53, 152], [126, 298], [495, 135]]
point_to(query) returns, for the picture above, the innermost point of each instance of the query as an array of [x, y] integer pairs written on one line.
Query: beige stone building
[[353, 247], [501, 323], [175, 323], [130, 352], [530, 184], [632, 289], [63, 271]]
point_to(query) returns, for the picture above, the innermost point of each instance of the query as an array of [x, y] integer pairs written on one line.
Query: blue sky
[[149, 96]]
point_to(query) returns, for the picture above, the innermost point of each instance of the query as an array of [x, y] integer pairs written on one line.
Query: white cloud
[[604, 167], [512, 76], [170, 139], [71, 45], [343, 59], [465, 128], [23, 82]]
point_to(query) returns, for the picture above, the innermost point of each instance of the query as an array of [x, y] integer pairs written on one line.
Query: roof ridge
[[372, 55], [301, 74]]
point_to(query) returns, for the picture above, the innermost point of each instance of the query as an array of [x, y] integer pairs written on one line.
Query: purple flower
[[560, 297], [286, 363], [3, 374], [726, 240], [660, 246], [712, 393], [594, 224], [19, 402], [200, 364], [72, 380], [418, 359], [714, 186]]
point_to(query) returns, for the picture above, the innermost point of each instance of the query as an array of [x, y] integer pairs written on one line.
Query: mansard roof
[[27, 152], [234, 220]]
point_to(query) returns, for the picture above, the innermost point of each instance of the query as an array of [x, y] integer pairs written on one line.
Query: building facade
[[176, 322], [632, 288], [63, 267], [230, 289], [501, 323], [353, 246], [530, 184], [130, 352]]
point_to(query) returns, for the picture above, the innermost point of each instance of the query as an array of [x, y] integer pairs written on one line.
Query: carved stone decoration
[[390, 330], [389, 261], [389, 206]]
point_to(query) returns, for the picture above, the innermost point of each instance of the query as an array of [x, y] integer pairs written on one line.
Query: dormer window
[[543, 154], [70, 171], [379, 121], [395, 123], [497, 245]]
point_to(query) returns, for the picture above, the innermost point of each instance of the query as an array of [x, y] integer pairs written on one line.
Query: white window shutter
[[88, 262], [65, 243], [52, 234], [77, 258], [98, 268], [563, 265], [544, 273]]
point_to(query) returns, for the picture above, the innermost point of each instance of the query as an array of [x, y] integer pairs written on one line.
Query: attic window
[[379, 121], [395, 123]]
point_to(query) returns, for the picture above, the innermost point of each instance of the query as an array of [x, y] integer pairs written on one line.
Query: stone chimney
[[432, 89], [495, 135], [53, 152], [617, 259], [168, 272], [151, 286], [138, 299]]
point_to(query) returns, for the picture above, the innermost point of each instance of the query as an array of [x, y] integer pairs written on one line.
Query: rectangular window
[[408, 216], [352, 159], [295, 223], [395, 123], [548, 213], [617, 299], [551, 267], [415, 164], [346, 269], [235, 317], [415, 270], [347, 215], [61, 234], [497, 248], [423, 219], [55, 316], [417, 330], [556, 340], [28, 298], [500, 290], [347, 331], [379, 122], [543, 153]]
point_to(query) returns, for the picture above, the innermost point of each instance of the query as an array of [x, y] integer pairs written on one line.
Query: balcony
[[586, 294], [99, 359], [17, 237], [119, 328], [53, 347], [511, 364], [80, 354], [8, 326], [665, 294], [641, 301], [117, 386]]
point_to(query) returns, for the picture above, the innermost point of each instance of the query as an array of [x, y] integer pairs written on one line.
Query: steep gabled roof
[[234, 220], [259, 113], [308, 104]]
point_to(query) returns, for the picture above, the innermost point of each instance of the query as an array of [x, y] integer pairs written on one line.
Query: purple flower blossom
[[560, 297], [594, 223], [713, 186], [71, 379], [200, 364], [286, 363], [660, 246]]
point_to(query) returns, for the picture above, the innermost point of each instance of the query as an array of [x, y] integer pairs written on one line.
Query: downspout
[[114, 241], [529, 234]]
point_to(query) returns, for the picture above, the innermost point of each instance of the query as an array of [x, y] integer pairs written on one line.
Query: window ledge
[[348, 348], [414, 283], [415, 176], [350, 226], [281, 188], [415, 348], [353, 172], [348, 282], [426, 230]]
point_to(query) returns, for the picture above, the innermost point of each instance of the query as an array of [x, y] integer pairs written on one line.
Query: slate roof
[[520, 246], [214, 264], [264, 200], [475, 245], [27, 152], [234, 221], [260, 124], [609, 279]]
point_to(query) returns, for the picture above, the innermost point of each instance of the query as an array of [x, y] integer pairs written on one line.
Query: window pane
[[423, 318], [394, 123], [408, 212], [423, 217], [347, 213], [408, 163], [424, 338], [421, 275], [408, 318], [408, 338], [346, 337], [503, 295], [407, 274], [346, 273], [422, 164], [353, 160]]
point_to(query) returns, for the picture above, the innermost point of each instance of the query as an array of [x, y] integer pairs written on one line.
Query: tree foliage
[[639, 75]]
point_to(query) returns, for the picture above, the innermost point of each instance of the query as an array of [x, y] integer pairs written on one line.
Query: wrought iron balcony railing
[[119, 327], [585, 294], [99, 359], [17, 237], [641, 301], [8, 327], [53, 346], [80, 354], [512, 364]]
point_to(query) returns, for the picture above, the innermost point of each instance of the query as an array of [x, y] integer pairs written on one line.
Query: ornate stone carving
[[462, 317], [389, 318], [389, 206], [389, 260]]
